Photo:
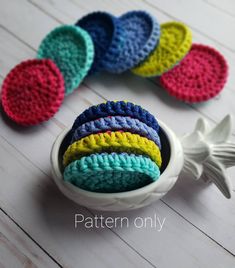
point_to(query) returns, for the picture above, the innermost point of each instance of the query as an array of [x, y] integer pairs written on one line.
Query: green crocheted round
[[110, 173], [71, 48]]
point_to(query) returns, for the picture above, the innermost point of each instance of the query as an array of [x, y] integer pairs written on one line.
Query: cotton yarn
[[175, 42], [141, 33], [71, 48], [32, 92], [200, 76], [113, 153], [111, 172], [116, 123], [100, 41], [114, 108], [107, 36], [112, 141]]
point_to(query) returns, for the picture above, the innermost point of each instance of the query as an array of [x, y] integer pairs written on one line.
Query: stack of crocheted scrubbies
[[114, 147], [102, 42]]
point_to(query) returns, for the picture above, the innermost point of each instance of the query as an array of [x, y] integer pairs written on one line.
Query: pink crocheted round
[[200, 75], [32, 92]]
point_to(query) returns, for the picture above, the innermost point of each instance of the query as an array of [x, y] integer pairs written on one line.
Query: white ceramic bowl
[[204, 153], [172, 155]]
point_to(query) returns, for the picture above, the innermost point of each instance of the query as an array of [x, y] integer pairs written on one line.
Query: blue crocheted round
[[142, 33], [113, 108], [107, 35], [110, 173], [71, 48], [115, 123]]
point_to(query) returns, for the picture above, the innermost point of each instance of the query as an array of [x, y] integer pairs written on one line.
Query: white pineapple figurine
[[208, 153]]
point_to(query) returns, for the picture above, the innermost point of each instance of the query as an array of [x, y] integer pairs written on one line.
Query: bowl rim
[[58, 177]]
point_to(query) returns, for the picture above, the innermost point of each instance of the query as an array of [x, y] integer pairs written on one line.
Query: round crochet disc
[[111, 173], [116, 123], [106, 33], [112, 142], [175, 42], [141, 35], [71, 48], [32, 92], [200, 76], [113, 108]]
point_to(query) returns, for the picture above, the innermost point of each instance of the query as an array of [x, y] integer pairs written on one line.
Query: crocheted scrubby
[[200, 76], [115, 123], [32, 92], [111, 173], [142, 33], [113, 108], [175, 42], [107, 35], [112, 142], [71, 48]]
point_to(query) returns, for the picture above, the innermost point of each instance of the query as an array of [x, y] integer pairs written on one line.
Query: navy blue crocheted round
[[142, 33], [107, 35], [114, 108]]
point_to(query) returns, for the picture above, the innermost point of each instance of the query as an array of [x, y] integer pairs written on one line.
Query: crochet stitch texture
[[111, 172], [112, 142], [141, 35], [200, 76], [175, 42], [32, 92], [115, 123], [71, 48], [114, 108], [107, 36]]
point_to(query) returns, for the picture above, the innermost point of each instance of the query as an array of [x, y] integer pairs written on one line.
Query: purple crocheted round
[[116, 123], [142, 33], [107, 35]]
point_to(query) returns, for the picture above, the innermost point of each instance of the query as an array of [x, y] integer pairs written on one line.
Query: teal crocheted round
[[110, 173], [71, 48]]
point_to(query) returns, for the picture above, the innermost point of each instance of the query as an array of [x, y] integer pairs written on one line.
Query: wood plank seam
[[195, 29], [48, 176], [17, 37], [31, 238], [199, 229], [96, 93], [45, 12], [219, 8], [91, 213]]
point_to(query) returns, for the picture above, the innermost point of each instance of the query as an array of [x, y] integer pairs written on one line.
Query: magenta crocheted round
[[33, 91], [200, 76]]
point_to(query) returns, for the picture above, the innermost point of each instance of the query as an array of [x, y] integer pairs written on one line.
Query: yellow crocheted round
[[112, 142], [175, 42]]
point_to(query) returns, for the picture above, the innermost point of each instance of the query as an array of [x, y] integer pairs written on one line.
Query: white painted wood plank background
[[36, 222], [17, 249]]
